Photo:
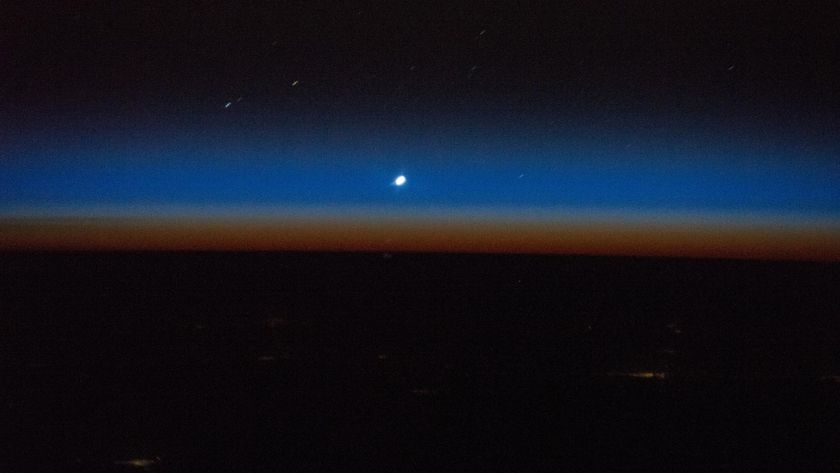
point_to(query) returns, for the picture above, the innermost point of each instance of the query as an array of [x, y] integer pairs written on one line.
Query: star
[[399, 181]]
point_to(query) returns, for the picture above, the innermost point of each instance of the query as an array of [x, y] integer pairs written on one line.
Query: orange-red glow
[[705, 238]]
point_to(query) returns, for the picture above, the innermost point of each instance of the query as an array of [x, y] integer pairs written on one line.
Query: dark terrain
[[195, 362]]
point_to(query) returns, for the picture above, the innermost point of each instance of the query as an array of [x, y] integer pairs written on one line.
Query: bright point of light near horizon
[[400, 180]]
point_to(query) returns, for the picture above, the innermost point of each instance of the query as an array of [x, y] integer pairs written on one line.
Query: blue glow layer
[[445, 170]]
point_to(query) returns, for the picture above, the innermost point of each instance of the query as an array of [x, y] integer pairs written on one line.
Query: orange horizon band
[[698, 238]]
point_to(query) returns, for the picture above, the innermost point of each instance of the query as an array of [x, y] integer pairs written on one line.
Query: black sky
[[742, 61]]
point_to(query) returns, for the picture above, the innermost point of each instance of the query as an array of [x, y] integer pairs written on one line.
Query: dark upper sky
[[750, 63]]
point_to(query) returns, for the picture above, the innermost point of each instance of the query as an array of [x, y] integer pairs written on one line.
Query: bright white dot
[[400, 180]]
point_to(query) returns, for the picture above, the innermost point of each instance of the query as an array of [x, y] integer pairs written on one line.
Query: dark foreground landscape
[[195, 362]]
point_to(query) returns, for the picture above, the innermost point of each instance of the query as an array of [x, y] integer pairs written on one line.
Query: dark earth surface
[[416, 362]]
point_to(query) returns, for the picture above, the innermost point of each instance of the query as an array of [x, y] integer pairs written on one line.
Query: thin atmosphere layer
[[472, 188]]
